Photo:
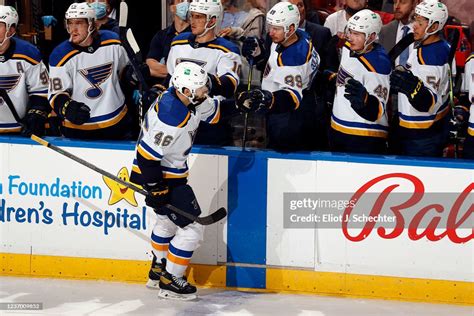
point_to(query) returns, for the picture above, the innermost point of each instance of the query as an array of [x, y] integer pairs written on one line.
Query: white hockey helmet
[[211, 8], [9, 16], [368, 22], [188, 75], [435, 12], [81, 10], [284, 14]]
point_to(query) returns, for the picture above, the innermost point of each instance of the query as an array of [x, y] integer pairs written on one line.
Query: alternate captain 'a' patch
[[96, 76], [8, 83], [342, 76]]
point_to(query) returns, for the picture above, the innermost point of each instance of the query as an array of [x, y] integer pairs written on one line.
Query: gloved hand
[[461, 114], [49, 20], [356, 94], [254, 100], [158, 195], [131, 76], [403, 80], [34, 123], [149, 96], [76, 112], [252, 48]]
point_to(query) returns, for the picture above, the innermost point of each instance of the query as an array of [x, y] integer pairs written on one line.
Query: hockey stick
[[4, 95], [133, 51], [246, 115], [206, 220], [403, 44], [452, 52]]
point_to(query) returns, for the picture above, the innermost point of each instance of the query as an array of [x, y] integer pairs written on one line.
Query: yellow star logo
[[118, 191]]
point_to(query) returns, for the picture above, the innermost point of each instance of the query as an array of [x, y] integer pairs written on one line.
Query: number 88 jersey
[[291, 68]]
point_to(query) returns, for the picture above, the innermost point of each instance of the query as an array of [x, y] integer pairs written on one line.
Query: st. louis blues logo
[[342, 76], [96, 76], [8, 83]]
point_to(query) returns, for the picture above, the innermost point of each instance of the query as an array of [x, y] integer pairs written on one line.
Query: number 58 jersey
[[167, 136]]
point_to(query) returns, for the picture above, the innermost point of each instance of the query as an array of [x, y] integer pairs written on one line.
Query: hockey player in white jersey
[[219, 57], [465, 111], [84, 79], [424, 86], [359, 119], [24, 78], [161, 167], [289, 69]]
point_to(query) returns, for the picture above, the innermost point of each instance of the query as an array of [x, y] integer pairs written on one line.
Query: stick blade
[[212, 218], [132, 42], [123, 14]]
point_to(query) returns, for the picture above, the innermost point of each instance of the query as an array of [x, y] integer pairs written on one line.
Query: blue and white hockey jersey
[[430, 64], [218, 57], [90, 76], [168, 132], [372, 69], [22, 75], [291, 70]]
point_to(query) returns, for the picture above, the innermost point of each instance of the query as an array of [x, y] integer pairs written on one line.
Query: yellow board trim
[[10, 130], [277, 280], [133, 271], [372, 286]]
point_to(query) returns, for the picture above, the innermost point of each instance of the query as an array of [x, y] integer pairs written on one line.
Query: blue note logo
[[9, 82], [96, 76], [342, 76]]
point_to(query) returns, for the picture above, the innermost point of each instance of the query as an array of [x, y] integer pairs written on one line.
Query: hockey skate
[[155, 272], [172, 287]]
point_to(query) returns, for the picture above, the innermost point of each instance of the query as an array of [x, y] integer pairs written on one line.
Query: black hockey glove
[[356, 94], [403, 80], [461, 113], [76, 112], [158, 195], [131, 76], [254, 100], [252, 48], [34, 123], [149, 97]]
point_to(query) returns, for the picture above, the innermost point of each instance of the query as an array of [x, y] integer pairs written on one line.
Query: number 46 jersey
[[167, 137]]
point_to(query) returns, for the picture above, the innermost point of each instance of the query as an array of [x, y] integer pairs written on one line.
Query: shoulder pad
[[171, 111], [62, 53], [108, 37], [376, 60], [298, 53], [26, 51], [224, 45], [435, 54], [182, 38]]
